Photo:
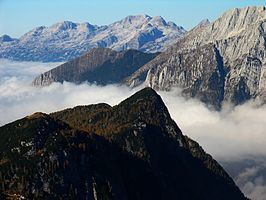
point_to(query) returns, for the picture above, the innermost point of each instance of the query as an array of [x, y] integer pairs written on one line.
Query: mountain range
[[67, 40], [222, 61], [133, 150], [219, 62]]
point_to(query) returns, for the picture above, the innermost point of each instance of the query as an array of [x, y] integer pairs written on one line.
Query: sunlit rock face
[[216, 62]]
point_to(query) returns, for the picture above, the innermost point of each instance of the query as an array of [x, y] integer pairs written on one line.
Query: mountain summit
[[67, 40], [6, 38], [223, 61], [133, 150]]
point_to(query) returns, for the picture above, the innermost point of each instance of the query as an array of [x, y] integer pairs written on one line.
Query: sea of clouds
[[234, 136]]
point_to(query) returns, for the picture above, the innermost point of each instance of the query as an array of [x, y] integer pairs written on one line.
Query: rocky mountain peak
[[142, 108], [247, 12], [145, 96], [67, 40], [130, 151], [37, 115], [158, 20], [227, 60], [33, 33], [86, 27], [6, 38], [148, 99], [172, 24], [234, 23], [198, 28], [204, 22], [236, 20], [63, 26], [133, 20]]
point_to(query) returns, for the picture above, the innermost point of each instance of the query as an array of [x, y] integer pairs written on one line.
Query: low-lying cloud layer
[[252, 181], [230, 135]]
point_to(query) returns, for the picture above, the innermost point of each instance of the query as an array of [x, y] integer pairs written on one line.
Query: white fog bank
[[232, 134]]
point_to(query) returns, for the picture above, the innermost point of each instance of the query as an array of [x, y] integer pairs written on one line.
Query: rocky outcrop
[[6, 38], [99, 65], [99, 152], [67, 40], [226, 56], [188, 70]]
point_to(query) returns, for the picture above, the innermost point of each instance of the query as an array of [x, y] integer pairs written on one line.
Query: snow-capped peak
[[66, 40], [65, 25], [133, 20], [158, 20]]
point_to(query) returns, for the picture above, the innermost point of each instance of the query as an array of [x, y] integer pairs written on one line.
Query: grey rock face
[[67, 40], [99, 65], [217, 62]]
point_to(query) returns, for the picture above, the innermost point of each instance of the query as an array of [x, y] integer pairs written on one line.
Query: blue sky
[[19, 16]]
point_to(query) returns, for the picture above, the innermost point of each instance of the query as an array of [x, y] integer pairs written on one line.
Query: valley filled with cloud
[[234, 136]]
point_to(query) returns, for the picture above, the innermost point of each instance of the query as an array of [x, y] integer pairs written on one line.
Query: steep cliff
[[225, 59]]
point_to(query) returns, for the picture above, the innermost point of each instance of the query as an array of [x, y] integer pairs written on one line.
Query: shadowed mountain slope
[[133, 150], [101, 66]]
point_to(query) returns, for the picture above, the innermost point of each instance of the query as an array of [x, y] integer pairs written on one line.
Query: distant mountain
[[222, 61], [133, 150], [99, 65], [67, 40], [6, 38]]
